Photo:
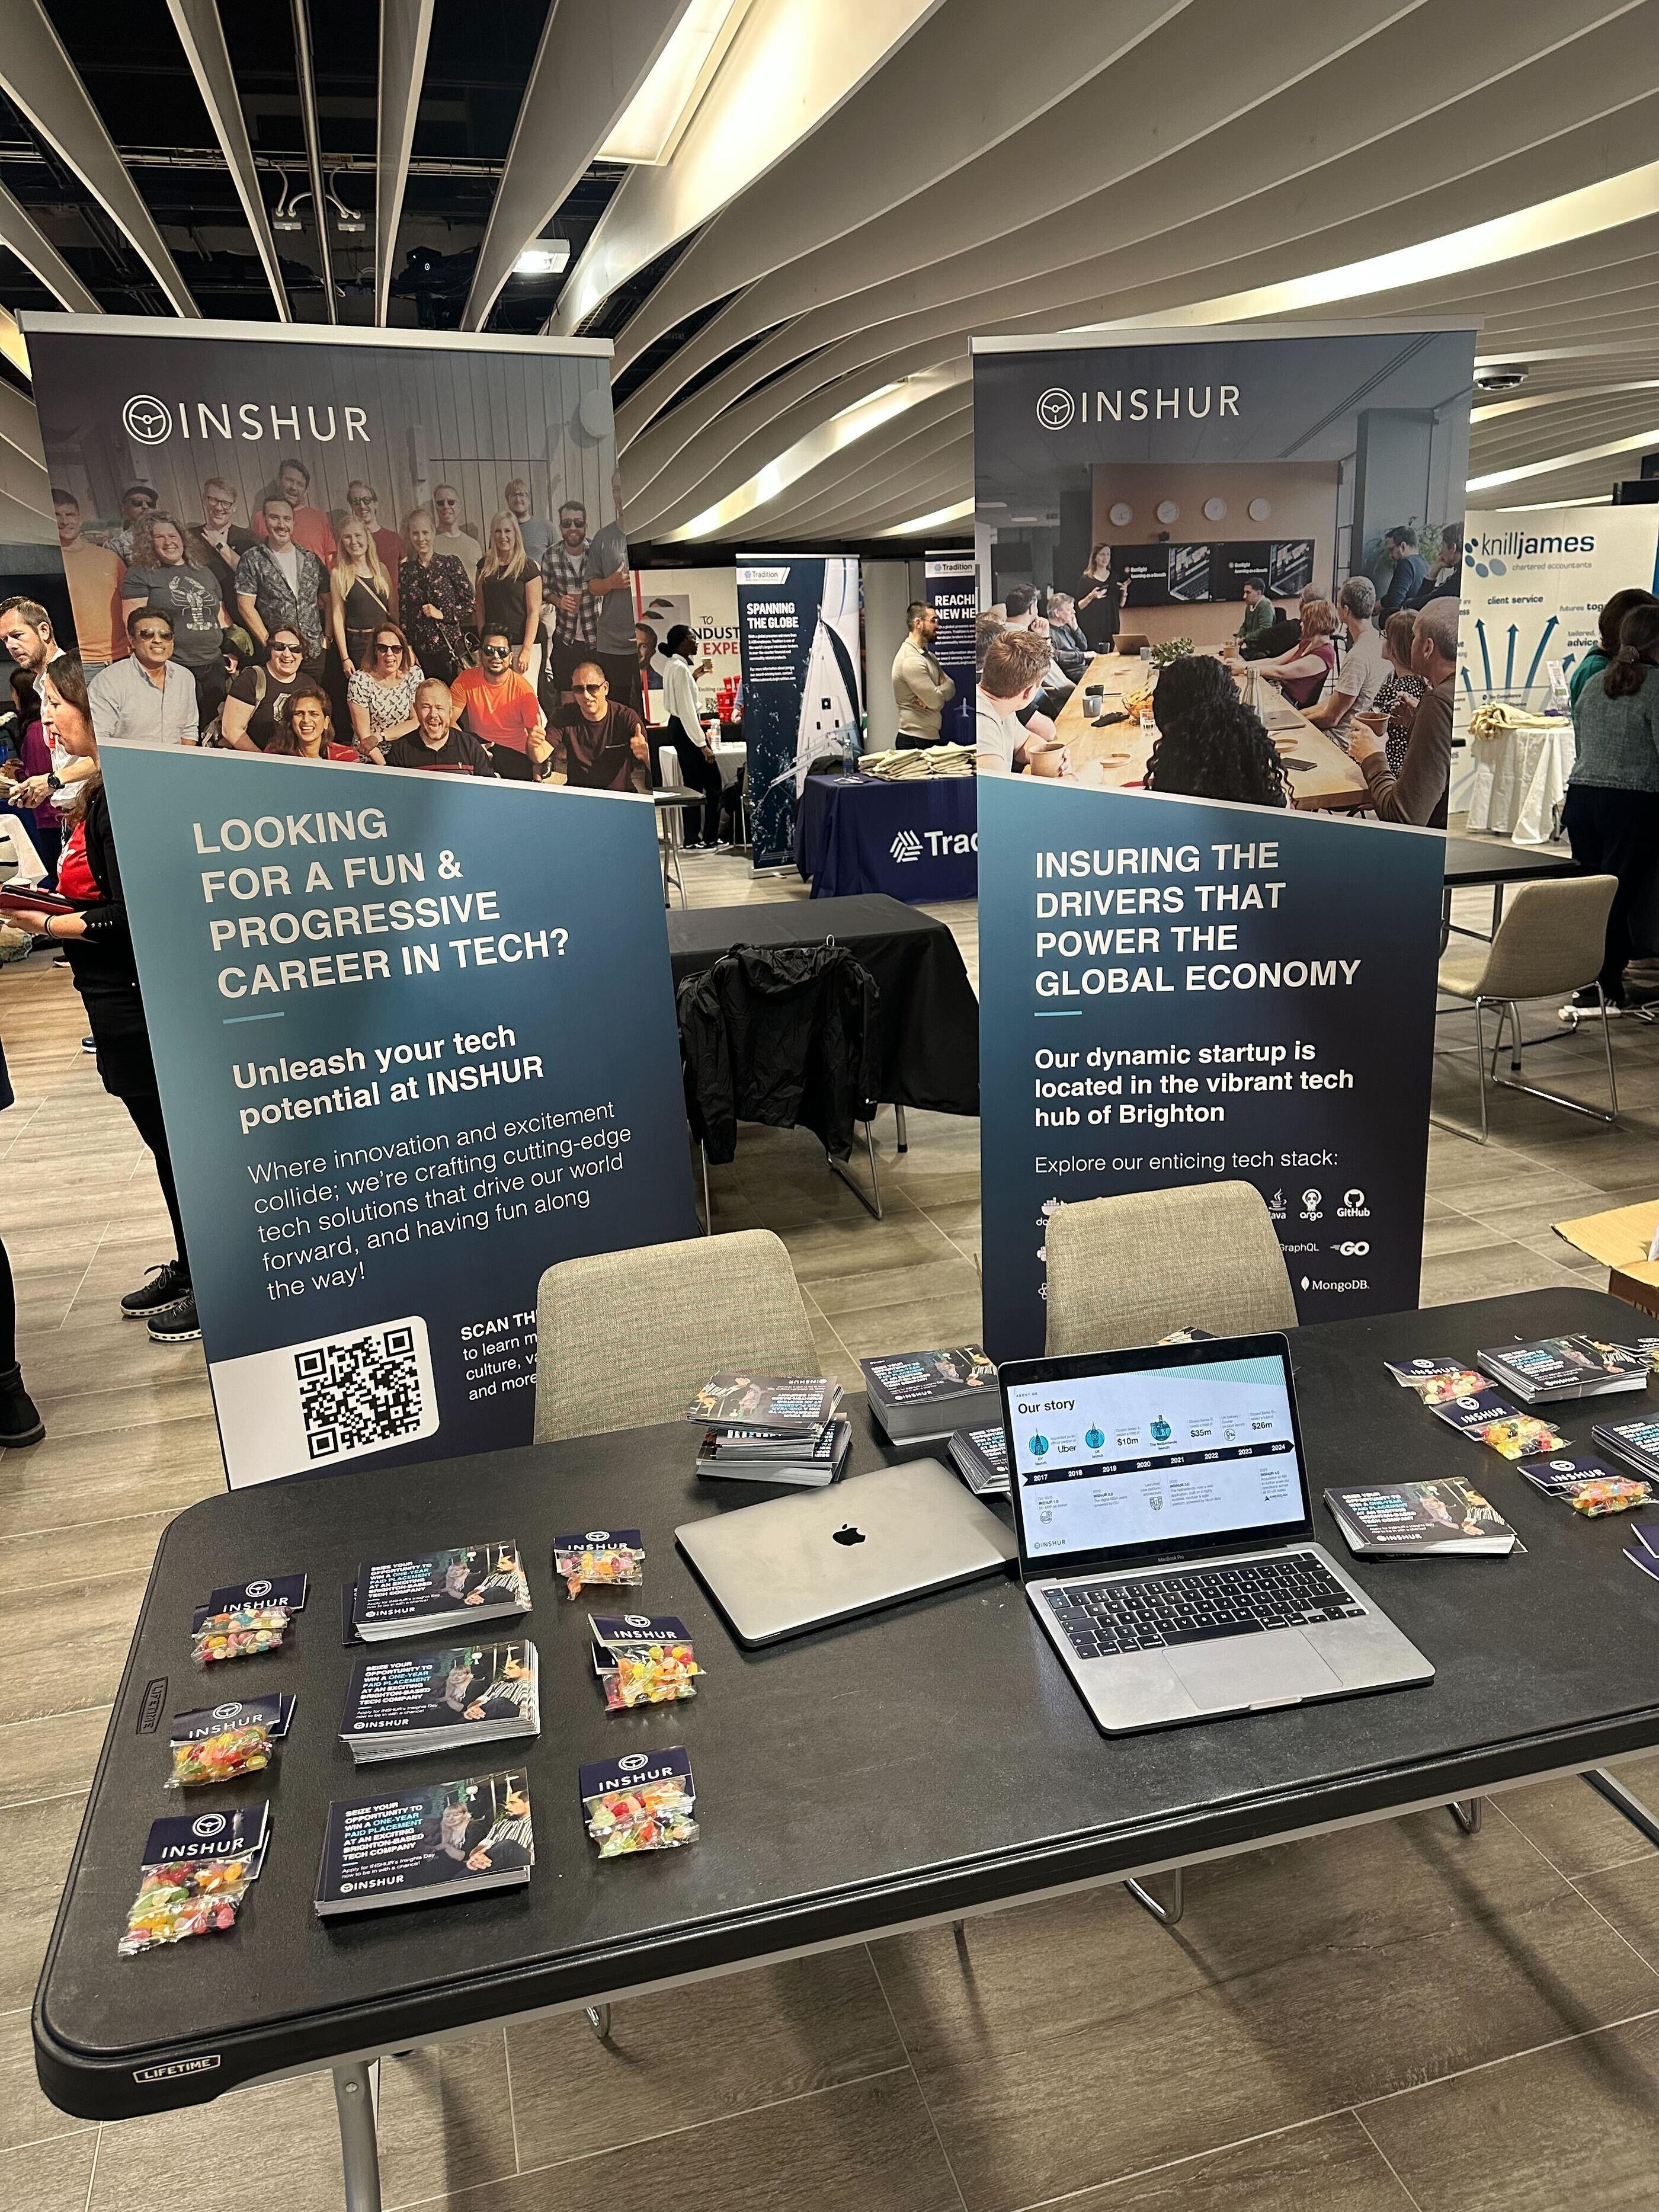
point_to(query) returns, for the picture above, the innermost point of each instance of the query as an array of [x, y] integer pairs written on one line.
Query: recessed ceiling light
[[548, 257]]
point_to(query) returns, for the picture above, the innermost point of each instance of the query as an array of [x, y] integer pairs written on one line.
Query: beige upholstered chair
[[627, 1338], [1126, 1271], [1551, 942]]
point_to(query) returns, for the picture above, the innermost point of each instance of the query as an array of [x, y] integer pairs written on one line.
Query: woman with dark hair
[[1194, 680], [1218, 749], [305, 728], [99, 947], [1609, 623], [43, 824], [1303, 672], [697, 755], [1612, 813], [1098, 601]]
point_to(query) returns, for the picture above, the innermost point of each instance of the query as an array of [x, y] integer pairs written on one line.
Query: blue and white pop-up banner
[[803, 689], [950, 581], [415, 1042]]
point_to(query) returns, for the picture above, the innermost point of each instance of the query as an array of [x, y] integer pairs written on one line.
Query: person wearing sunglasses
[[257, 696], [603, 741], [499, 707], [381, 697]]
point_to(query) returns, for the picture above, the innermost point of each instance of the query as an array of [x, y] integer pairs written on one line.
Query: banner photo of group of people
[[1220, 569], [379, 547]]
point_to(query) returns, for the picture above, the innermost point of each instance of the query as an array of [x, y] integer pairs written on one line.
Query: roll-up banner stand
[[950, 581], [1188, 987], [413, 1032], [803, 684]]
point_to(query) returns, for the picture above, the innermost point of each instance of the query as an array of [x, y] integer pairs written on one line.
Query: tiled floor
[[1400, 2015]]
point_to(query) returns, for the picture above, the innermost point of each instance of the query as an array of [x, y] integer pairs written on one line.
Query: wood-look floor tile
[[83, 1555], [1628, 1896], [102, 1352], [696, 2054], [1577, 2126], [282, 2137], [445, 2118], [35, 1843], [63, 1649], [48, 2177], [1574, 1826], [1328, 2166], [1301, 1980], [944, 1279], [70, 1480], [953, 1318], [827, 1249], [26, 2116], [867, 2146], [52, 1757], [155, 1403]]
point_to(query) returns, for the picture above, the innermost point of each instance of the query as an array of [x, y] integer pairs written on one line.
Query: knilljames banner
[[951, 583], [1534, 585], [416, 1039], [1177, 991], [803, 689]]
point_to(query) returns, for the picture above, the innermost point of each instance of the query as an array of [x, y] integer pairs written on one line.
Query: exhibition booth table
[[927, 1018], [1472, 861], [826, 1812], [913, 837], [1322, 777], [1519, 781]]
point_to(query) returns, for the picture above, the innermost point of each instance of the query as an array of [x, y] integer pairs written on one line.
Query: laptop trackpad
[[1237, 1672]]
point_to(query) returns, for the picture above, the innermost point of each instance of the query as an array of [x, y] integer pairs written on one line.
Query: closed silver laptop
[[791, 1564], [1166, 1537]]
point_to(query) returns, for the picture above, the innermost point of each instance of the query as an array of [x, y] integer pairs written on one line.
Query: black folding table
[[1495, 860], [910, 1768]]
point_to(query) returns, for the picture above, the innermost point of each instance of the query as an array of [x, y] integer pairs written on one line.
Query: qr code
[[360, 1391]]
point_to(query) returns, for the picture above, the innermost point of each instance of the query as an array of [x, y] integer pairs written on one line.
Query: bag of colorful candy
[[242, 1633], [640, 1802]]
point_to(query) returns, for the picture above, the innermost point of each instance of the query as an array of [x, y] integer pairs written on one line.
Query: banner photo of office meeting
[[281, 511], [1255, 534], [415, 1037], [799, 631]]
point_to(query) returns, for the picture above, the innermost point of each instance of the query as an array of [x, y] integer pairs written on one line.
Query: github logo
[[1055, 409], [1353, 1206], [147, 420]]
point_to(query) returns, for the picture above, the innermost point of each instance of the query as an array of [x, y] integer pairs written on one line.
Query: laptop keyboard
[[1199, 1604]]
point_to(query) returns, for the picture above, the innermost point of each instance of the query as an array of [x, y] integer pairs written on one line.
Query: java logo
[[148, 421], [1059, 407]]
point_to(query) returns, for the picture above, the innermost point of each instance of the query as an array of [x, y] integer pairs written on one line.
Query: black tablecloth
[[928, 1015]]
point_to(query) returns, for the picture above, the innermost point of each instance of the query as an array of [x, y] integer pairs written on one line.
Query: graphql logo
[[146, 419], [907, 846]]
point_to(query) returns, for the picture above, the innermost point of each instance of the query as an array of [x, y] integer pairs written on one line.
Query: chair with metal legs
[[1551, 943]]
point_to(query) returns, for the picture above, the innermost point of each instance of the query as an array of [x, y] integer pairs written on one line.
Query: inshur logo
[[148, 421], [1058, 408]]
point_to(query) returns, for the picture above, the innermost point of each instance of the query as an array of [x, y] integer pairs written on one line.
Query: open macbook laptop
[[791, 1564], [1165, 1536]]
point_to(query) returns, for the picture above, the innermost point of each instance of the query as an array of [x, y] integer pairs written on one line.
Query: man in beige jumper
[[920, 687]]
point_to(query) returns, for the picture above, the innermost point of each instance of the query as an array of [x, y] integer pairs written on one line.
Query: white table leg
[[360, 2155]]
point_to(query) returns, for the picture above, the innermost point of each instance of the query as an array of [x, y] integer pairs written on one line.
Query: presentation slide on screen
[[1155, 1456]]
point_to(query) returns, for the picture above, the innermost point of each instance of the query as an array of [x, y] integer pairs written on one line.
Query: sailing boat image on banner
[[798, 632]]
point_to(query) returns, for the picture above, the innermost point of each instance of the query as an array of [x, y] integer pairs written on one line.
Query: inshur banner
[[1211, 862], [415, 1042], [803, 687]]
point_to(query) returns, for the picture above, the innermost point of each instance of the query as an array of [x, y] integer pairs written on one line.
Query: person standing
[[573, 611], [147, 699], [20, 1424], [93, 574], [921, 690], [603, 741], [365, 504], [137, 500], [310, 526], [215, 544], [1609, 623], [434, 600], [1400, 546], [1418, 794], [280, 580], [534, 529], [457, 538], [161, 579], [1099, 601], [43, 823], [510, 594], [499, 707], [1611, 811], [26, 632], [698, 765], [611, 586], [99, 944], [360, 597], [435, 743]]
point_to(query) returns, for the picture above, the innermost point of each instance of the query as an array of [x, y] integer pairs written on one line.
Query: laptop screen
[[1168, 1450]]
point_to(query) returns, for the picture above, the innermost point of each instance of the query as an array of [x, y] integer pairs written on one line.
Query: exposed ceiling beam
[[405, 30], [39, 80], [19, 233], [307, 76], [203, 38], [594, 55]]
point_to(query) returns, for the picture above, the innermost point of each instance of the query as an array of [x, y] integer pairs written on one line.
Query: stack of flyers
[[454, 1589], [225, 1742], [1644, 1552], [1436, 1379], [599, 1559], [399, 1707], [194, 1877], [760, 1455], [643, 1659], [1483, 1416], [923, 1396], [445, 1839], [981, 1457], [1589, 1485], [1565, 1367], [1383, 1520], [1636, 1441], [642, 1801], [783, 1404]]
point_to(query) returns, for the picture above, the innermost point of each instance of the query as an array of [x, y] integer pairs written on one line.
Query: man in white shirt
[[147, 699], [1364, 671], [1016, 662], [453, 535]]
